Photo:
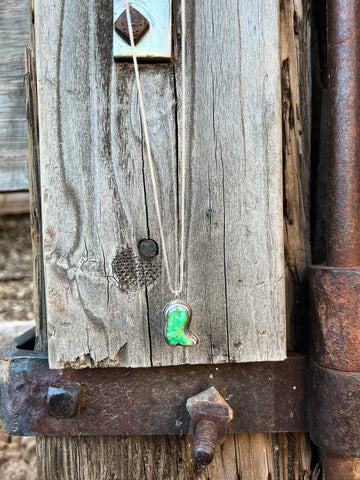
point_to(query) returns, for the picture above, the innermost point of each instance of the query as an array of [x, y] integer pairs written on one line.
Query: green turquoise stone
[[177, 320]]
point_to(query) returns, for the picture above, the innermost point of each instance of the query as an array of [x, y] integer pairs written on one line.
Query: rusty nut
[[63, 401], [139, 24]]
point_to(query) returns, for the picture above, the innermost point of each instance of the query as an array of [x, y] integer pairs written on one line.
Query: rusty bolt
[[204, 444], [148, 248], [139, 23], [210, 415], [63, 401]]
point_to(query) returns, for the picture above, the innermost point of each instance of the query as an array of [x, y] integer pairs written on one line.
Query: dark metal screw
[[204, 445], [63, 402], [139, 23], [148, 248]]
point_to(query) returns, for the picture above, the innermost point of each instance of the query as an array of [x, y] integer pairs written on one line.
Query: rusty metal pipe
[[336, 358], [341, 468], [343, 236]]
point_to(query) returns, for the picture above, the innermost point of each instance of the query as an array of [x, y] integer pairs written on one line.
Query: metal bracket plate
[[156, 44], [265, 397]]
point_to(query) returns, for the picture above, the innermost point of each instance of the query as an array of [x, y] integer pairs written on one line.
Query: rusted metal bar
[[335, 290], [265, 397], [343, 239]]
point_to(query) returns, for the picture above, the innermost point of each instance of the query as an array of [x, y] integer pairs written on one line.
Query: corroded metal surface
[[210, 416], [343, 239], [265, 397], [340, 468], [139, 24], [204, 442], [63, 401], [156, 42], [335, 407], [334, 317], [335, 290]]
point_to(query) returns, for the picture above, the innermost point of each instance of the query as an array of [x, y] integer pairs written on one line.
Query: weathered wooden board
[[296, 113], [12, 203], [256, 456], [14, 35], [252, 456], [104, 302]]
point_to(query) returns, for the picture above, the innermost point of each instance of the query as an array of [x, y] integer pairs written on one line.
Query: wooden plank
[[32, 111], [14, 34], [98, 204], [279, 457], [13, 203], [258, 457], [296, 118], [236, 266]]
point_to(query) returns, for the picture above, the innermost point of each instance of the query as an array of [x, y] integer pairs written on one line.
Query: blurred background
[[17, 454]]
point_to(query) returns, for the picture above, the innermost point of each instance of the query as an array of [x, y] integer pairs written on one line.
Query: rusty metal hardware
[[343, 229], [210, 415], [334, 348], [335, 407], [335, 383], [63, 401], [335, 319], [265, 397], [340, 468], [139, 24], [152, 26], [206, 435], [148, 248]]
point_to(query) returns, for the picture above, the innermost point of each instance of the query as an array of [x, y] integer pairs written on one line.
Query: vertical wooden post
[[246, 456], [34, 187]]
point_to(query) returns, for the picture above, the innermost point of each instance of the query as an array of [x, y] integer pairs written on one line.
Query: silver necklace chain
[[175, 286]]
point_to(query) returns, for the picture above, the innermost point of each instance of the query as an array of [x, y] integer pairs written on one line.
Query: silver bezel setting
[[167, 309]]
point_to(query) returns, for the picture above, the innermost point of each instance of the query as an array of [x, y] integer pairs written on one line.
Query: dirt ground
[[17, 454]]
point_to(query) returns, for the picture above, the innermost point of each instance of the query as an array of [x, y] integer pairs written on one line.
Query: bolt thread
[[205, 439]]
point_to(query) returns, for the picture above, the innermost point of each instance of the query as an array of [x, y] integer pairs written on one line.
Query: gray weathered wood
[[98, 204], [35, 189], [14, 34], [252, 456]]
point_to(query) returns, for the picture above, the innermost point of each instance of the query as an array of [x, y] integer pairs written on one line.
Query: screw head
[[139, 23], [63, 401], [148, 248]]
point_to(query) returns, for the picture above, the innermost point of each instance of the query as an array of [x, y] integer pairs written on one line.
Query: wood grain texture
[[34, 187], [248, 457], [242, 457], [14, 34], [295, 22], [104, 302]]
